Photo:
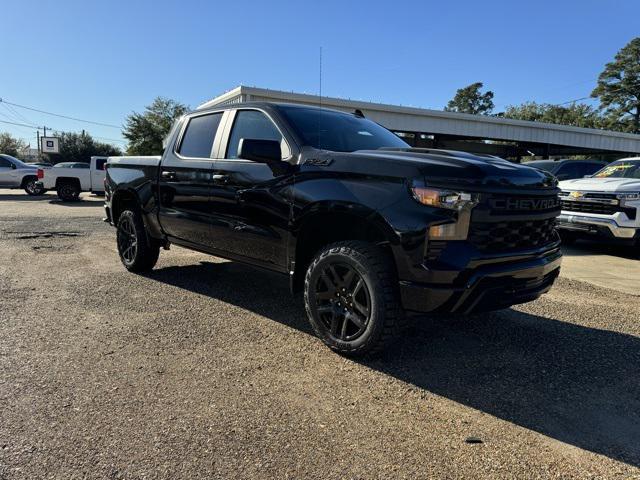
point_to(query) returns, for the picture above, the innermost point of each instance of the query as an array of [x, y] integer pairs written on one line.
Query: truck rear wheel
[[68, 192], [137, 251], [351, 297]]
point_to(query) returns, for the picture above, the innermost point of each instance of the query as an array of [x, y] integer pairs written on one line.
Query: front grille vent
[[598, 208], [512, 235]]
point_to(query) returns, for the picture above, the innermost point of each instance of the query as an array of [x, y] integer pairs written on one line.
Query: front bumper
[[592, 224], [489, 287]]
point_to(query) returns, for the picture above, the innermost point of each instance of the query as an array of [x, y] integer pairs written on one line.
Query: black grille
[[512, 235], [599, 208]]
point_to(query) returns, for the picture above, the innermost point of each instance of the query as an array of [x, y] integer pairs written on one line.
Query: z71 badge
[[318, 162]]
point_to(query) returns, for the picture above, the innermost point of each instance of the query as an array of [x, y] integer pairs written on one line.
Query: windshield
[[337, 131], [620, 169]]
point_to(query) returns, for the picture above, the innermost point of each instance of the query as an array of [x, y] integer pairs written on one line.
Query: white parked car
[[71, 178], [15, 173], [606, 204]]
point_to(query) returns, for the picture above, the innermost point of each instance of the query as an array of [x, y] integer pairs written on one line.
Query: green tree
[[146, 131], [618, 88], [10, 145], [575, 114], [470, 100], [80, 147]]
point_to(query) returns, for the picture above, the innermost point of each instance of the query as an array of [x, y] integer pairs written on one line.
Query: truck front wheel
[[137, 251], [68, 192], [351, 297]]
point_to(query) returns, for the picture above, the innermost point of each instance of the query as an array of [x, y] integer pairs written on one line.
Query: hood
[[602, 184], [448, 168]]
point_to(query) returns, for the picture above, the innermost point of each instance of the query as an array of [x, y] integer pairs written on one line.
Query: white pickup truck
[[606, 204], [71, 178]]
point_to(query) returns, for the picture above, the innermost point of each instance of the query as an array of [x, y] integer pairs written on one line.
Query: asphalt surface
[[208, 369]]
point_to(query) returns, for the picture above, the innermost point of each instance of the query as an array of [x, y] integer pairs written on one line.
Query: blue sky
[[102, 60]]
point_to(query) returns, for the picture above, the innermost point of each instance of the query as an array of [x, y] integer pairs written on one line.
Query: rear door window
[[197, 140], [100, 163]]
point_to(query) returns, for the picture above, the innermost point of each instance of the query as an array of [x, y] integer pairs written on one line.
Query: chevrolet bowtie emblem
[[577, 194]]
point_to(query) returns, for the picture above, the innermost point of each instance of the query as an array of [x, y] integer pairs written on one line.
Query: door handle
[[167, 175], [219, 178]]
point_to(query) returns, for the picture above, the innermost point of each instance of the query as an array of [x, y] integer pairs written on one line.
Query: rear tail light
[[40, 173]]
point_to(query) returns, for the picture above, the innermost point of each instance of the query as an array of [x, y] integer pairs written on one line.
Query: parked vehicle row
[[366, 226], [68, 179]]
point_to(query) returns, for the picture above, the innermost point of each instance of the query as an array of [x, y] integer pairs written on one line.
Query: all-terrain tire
[[138, 252], [373, 266]]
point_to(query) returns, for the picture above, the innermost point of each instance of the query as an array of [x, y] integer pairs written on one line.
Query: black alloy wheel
[[351, 297], [343, 301], [138, 251], [127, 240]]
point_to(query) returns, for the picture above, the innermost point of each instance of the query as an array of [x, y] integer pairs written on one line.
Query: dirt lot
[[208, 369]]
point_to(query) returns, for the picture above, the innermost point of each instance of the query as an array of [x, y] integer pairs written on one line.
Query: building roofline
[[383, 107]]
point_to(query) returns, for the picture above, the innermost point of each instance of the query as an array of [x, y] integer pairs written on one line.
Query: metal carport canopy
[[410, 119]]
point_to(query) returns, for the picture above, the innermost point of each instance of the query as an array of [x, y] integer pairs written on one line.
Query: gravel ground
[[208, 369]]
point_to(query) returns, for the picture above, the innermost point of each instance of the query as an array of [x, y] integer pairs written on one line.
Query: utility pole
[[45, 131], [38, 137]]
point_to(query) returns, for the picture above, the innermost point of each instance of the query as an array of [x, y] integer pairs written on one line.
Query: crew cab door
[[250, 200], [185, 177]]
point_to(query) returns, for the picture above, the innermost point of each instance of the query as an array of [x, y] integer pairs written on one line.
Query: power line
[[61, 116], [573, 101], [11, 115], [20, 124], [16, 114], [54, 129]]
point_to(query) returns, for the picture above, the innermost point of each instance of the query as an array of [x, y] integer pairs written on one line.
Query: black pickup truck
[[367, 227]]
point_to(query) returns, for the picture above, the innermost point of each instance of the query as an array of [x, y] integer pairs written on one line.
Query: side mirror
[[261, 151], [13, 166]]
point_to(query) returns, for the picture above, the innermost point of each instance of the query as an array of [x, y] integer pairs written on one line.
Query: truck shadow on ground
[[572, 383], [20, 197], [586, 247], [76, 203], [53, 200]]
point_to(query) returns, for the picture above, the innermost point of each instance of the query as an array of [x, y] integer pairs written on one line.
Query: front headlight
[[434, 197], [629, 196], [461, 202]]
